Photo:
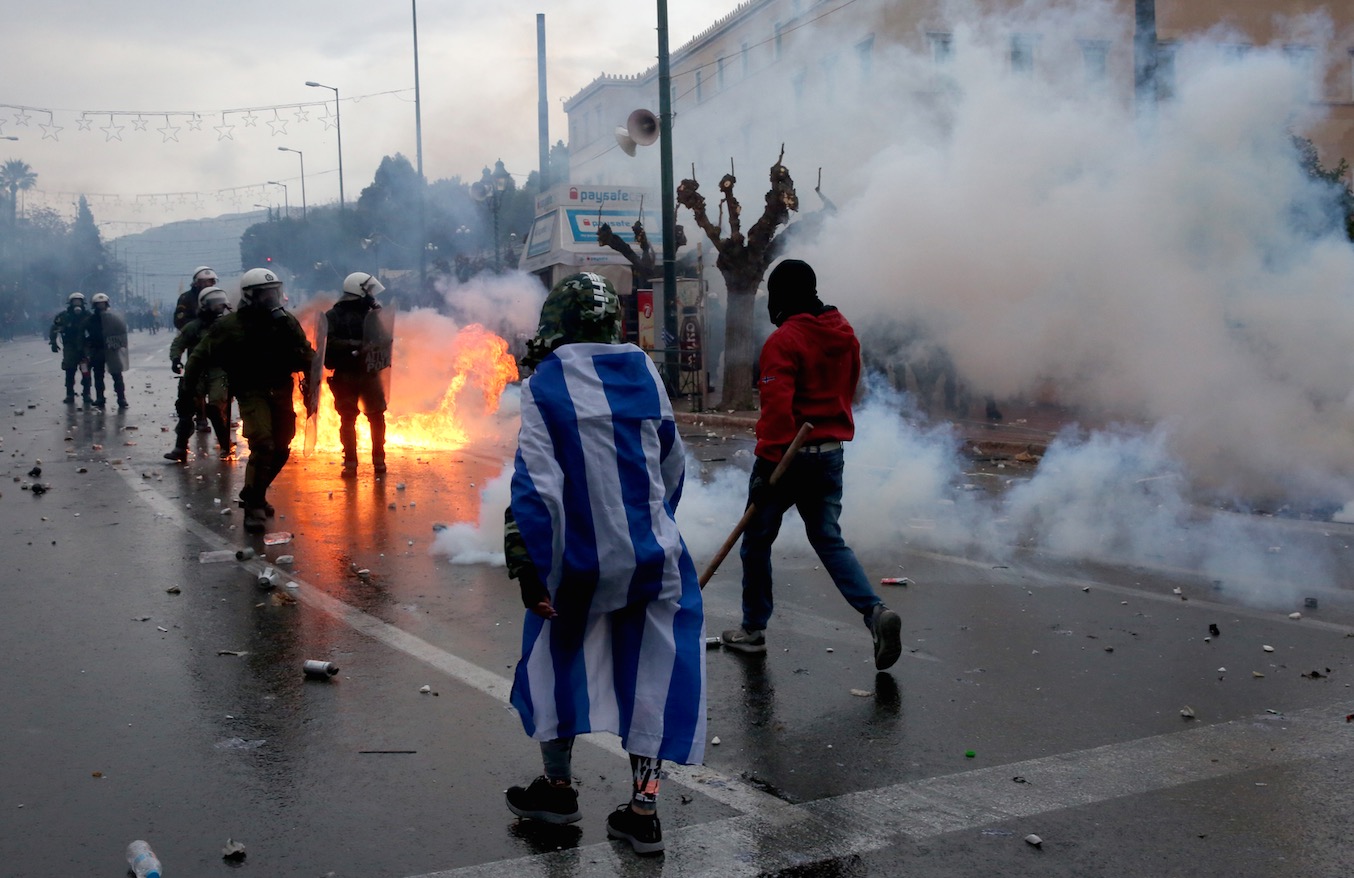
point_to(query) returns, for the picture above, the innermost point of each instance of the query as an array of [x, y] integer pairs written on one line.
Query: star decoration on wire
[[139, 124], [112, 131], [328, 119], [277, 124], [302, 115], [169, 132], [223, 131], [195, 123], [50, 130], [83, 123], [21, 118], [250, 120]]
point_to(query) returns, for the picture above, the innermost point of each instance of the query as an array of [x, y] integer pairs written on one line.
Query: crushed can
[[895, 580], [319, 669], [244, 554], [269, 578]]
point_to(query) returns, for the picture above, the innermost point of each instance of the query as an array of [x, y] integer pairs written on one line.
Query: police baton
[[738, 529]]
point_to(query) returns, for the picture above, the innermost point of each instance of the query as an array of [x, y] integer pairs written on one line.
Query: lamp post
[[269, 208], [338, 128], [500, 179], [9, 137], [422, 183], [286, 199], [302, 157]]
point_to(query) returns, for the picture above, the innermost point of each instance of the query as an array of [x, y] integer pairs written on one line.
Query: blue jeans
[[812, 484]]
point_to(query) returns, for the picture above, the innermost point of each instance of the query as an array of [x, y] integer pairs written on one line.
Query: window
[[942, 47], [865, 56], [1166, 50], [1022, 53], [1304, 58], [700, 87], [830, 76], [719, 74], [776, 50], [1095, 58]]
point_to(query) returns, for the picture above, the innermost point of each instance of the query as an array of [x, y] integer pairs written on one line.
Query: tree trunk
[[739, 351]]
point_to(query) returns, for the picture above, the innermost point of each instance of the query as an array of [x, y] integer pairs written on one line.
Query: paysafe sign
[[580, 195]]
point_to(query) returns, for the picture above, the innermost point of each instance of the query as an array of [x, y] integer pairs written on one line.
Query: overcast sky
[[109, 92]]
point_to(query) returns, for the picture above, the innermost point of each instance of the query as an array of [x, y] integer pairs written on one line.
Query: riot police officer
[[69, 325], [357, 348]]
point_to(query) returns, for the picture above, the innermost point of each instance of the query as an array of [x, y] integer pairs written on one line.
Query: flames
[[443, 381]]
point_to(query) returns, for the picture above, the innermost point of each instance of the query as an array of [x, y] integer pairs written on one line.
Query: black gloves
[[55, 349], [176, 367]]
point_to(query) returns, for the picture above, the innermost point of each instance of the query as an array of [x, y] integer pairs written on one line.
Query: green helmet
[[581, 308]]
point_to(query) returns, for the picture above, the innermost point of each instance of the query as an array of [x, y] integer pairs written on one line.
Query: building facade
[[819, 75]]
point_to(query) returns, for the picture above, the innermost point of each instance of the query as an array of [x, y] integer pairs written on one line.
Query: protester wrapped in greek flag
[[615, 641]]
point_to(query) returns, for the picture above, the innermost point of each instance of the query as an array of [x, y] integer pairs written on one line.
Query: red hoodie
[[809, 369]]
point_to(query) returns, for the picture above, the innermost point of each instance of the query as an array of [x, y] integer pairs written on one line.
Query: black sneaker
[[887, 628], [744, 640], [643, 831], [544, 801], [177, 454]]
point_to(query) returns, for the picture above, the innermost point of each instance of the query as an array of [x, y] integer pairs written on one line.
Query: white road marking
[[828, 829]]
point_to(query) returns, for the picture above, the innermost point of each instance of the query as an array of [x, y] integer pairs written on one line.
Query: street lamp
[[500, 179], [9, 137], [269, 208], [303, 175], [338, 128], [286, 199]]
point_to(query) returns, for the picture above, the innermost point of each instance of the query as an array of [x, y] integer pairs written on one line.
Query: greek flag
[[597, 478]]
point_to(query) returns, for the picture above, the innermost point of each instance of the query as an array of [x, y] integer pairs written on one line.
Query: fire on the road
[[443, 380]]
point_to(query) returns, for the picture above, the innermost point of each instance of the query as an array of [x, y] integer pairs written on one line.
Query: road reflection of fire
[[443, 380]]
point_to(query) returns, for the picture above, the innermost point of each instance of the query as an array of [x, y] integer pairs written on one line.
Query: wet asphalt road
[[130, 712]]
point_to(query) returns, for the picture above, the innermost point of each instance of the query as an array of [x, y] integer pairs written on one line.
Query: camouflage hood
[[581, 308]]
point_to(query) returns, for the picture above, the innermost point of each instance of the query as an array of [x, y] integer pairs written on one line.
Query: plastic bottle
[[142, 860]]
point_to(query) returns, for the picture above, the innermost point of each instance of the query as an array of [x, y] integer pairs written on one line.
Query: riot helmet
[[212, 303], [360, 285], [100, 299], [260, 288], [204, 277], [76, 301], [582, 307]]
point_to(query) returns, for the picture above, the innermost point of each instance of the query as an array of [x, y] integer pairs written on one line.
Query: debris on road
[[1033, 840], [1187, 712], [214, 557], [1213, 629], [233, 851], [277, 538], [319, 668], [1267, 648]]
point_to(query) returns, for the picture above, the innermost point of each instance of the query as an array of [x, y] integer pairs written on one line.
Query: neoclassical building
[[820, 75]]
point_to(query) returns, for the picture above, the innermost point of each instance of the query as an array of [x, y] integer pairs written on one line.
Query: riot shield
[[117, 359], [378, 344], [314, 380]]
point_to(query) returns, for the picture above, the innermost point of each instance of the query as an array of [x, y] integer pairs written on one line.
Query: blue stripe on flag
[[633, 399]]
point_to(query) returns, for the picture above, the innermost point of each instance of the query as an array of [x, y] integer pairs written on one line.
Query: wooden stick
[[738, 529]]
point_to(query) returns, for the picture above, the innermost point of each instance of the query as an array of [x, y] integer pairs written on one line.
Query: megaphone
[[641, 129], [479, 190]]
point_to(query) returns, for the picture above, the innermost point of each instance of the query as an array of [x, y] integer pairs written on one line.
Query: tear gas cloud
[[1174, 272]]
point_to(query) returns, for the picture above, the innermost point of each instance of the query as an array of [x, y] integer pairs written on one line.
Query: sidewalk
[[1022, 434]]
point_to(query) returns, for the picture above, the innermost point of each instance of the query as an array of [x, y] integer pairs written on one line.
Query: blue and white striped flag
[[597, 478]]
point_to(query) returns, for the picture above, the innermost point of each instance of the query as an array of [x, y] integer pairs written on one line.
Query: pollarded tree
[[742, 260]]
